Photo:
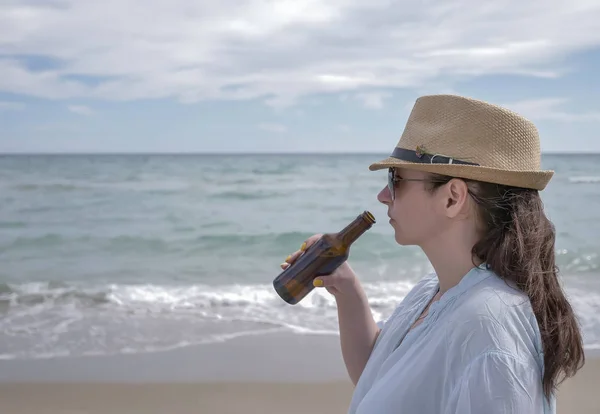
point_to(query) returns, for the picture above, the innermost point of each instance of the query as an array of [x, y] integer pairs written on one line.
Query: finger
[[292, 257], [284, 265], [309, 242]]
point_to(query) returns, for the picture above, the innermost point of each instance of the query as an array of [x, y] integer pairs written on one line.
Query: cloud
[[373, 100], [550, 109], [278, 51], [11, 106], [277, 128], [80, 110]]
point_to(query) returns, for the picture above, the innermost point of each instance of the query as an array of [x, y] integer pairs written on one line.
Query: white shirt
[[478, 350]]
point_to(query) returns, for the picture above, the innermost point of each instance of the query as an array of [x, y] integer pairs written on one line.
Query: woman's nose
[[384, 196]]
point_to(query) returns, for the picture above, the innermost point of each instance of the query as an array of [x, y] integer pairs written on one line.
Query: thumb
[[326, 281]]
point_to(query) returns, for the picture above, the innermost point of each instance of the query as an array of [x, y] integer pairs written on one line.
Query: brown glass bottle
[[320, 259]]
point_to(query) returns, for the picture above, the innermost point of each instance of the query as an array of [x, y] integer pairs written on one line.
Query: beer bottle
[[320, 259]]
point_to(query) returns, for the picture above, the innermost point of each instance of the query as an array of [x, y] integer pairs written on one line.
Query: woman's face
[[414, 212]]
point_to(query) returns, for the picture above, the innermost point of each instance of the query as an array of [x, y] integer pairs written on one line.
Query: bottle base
[[284, 294]]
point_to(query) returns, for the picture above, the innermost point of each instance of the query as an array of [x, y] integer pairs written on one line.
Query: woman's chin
[[401, 238]]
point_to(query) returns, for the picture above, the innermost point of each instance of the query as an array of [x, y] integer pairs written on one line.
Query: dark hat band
[[422, 158]]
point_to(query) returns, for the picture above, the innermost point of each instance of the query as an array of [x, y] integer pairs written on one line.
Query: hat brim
[[536, 180]]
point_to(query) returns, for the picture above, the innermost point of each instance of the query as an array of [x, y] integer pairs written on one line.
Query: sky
[[286, 75]]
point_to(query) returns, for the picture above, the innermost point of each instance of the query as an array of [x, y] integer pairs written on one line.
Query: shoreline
[[266, 374]]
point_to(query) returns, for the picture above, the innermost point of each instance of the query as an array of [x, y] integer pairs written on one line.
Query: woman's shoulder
[[495, 298], [497, 316]]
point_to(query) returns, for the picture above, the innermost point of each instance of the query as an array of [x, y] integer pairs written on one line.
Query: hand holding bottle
[[343, 279], [322, 255]]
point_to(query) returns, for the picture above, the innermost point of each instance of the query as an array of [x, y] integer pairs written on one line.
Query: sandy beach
[[251, 374]]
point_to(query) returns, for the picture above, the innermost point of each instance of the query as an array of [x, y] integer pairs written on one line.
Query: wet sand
[[231, 377]]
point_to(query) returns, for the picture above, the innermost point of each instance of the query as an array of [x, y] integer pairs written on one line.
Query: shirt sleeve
[[498, 383]]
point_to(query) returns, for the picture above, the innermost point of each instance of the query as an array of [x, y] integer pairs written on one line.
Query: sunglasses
[[393, 179]]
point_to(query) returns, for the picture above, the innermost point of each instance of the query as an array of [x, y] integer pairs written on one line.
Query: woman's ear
[[455, 197]]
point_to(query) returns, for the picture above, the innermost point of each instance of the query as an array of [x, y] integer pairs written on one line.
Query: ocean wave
[[51, 293], [279, 187], [175, 298], [585, 180], [229, 240], [55, 187], [125, 243], [131, 184], [120, 244], [50, 319], [371, 243], [248, 195], [182, 240], [273, 169], [215, 301], [36, 242], [12, 224]]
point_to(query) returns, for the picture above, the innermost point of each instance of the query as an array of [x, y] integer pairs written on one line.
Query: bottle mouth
[[368, 216]]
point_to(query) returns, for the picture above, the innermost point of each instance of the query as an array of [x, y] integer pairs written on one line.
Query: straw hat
[[468, 138]]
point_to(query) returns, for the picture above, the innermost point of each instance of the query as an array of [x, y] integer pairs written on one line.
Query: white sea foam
[[44, 321]]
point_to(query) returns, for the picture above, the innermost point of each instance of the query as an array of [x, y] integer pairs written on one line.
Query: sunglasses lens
[[391, 182]]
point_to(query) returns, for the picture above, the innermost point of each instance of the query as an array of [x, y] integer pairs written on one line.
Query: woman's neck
[[451, 256]]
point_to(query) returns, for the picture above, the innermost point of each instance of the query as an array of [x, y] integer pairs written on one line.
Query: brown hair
[[518, 245]]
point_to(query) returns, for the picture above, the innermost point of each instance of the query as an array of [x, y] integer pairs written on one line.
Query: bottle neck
[[354, 230]]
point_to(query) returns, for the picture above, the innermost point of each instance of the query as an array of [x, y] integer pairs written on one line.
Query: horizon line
[[220, 153]]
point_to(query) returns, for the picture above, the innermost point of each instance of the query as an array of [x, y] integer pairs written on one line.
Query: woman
[[490, 331]]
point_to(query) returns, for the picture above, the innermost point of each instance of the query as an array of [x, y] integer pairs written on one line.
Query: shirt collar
[[473, 277]]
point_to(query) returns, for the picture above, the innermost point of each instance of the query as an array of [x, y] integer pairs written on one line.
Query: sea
[[121, 254]]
